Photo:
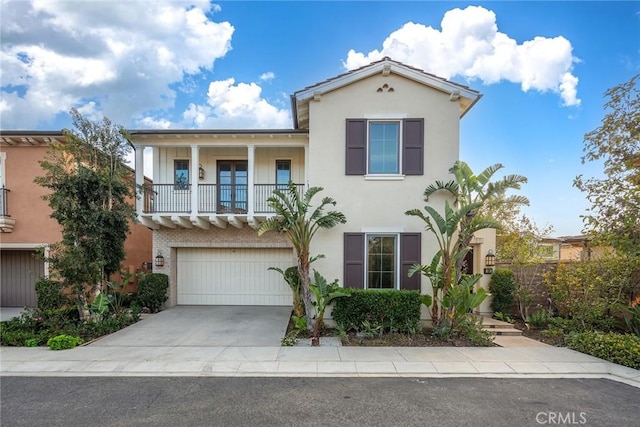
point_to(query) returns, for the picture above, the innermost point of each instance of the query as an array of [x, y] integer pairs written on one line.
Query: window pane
[[181, 173], [384, 147], [283, 172], [381, 262]]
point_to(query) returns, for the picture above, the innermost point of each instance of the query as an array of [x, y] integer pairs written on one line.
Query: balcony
[[6, 222], [218, 204]]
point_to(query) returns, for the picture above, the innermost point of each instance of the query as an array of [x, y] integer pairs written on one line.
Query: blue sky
[[542, 67]]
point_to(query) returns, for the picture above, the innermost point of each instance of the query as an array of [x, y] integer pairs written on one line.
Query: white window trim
[[396, 264], [3, 159], [386, 176]]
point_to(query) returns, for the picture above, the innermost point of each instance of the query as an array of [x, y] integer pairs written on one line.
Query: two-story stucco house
[[25, 218], [373, 138]]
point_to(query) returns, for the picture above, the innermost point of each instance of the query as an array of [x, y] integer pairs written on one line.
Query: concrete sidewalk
[[324, 361]]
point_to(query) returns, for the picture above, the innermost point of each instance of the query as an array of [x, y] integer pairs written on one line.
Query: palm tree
[[468, 189], [299, 221], [448, 232]]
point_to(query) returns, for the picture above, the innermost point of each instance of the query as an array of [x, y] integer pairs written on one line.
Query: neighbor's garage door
[[19, 271], [233, 276]]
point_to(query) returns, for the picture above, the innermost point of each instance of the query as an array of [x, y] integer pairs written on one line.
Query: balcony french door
[[232, 186]]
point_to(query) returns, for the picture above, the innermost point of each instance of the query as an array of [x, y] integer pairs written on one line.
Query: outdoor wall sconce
[[159, 261], [489, 262], [201, 172], [147, 265]]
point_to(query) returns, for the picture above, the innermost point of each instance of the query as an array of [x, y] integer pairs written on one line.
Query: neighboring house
[[580, 248], [374, 138], [25, 221]]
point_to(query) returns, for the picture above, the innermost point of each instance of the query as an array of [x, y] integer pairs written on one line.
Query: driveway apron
[[205, 326]]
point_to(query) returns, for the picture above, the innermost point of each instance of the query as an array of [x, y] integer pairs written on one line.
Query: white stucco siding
[[375, 204]]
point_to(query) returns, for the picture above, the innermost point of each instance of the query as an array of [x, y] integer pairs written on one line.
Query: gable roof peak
[[466, 96]]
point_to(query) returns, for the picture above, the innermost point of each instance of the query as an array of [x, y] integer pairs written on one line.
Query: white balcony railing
[[212, 198]]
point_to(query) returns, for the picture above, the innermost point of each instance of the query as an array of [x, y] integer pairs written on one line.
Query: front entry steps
[[499, 328]]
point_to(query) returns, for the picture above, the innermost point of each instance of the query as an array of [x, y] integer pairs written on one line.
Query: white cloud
[[230, 105], [121, 56], [469, 45], [267, 76]]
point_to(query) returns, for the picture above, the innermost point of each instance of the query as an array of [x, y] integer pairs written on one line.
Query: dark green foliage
[[616, 348], [501, 287], [64, 342], [393, 310], [37, 327], [152, 291], [89, 194], [49, 294], [539, 319]]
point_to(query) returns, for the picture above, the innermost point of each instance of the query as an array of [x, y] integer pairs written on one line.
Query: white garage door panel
[[233, 276]]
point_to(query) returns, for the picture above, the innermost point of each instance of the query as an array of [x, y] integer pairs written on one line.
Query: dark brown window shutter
[[354, 260], [410, 253], [413, 146], [356, 156]]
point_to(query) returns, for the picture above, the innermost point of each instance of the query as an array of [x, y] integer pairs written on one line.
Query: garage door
[[233, 276], [19, 271]]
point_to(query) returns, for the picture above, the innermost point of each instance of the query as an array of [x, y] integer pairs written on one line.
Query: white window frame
[[3, 160], [396, 261], [385, 176]]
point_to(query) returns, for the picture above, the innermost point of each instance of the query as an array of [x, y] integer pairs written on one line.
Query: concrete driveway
[[205, 326]]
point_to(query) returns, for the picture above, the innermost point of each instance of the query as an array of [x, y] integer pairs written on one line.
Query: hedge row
[[616, 348], [393, 310]]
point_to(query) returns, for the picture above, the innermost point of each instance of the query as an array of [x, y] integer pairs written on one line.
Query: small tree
[[614, 216], [90, 188], [300, 221], [518, 244]]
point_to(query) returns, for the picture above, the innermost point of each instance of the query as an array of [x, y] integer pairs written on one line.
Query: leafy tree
[[518, 244], [300, 221], [614, 216], [90, 188]]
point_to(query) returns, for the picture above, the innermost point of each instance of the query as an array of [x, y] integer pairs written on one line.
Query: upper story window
[[181, 174], [283, 173], [384, 147]]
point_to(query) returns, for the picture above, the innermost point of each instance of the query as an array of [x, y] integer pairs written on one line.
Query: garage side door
[[232, 276], [19, 271]]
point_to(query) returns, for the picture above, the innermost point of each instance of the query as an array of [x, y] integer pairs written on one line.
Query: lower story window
[[382, 265]]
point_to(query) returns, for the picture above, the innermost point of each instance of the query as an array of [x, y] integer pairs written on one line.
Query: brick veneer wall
[[166, 241]]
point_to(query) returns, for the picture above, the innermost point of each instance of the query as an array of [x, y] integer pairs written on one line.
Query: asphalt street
[[202, 401]]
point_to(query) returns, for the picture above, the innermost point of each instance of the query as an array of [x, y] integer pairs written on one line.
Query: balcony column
[[195, 191], [306, 167], [139, 168], [251, 151]]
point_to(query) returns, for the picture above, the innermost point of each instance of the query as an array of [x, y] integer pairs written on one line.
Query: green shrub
[[501, 287], [392, 310], [49, 294], [32, 342], [539, 319], [152, 291], [589, 291], [14, 337], [616, 348], [63, 342]]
